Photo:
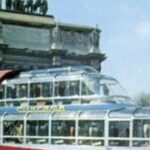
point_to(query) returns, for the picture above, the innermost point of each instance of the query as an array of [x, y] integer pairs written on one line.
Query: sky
[[125, 36]]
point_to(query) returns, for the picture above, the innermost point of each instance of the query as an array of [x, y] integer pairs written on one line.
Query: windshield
[[107, 89], [110, 86]]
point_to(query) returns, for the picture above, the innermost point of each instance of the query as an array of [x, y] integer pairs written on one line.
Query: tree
[[142, 99]]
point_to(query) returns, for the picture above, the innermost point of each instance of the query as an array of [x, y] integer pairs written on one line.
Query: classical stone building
[[31, 41]]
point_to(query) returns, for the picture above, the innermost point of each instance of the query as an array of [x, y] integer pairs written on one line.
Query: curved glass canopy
[[81, 84]]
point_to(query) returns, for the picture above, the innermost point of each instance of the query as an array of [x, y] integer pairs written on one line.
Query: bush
[[142, 99]]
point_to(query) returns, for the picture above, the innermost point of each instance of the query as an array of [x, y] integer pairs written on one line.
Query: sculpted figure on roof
[[27, 6]]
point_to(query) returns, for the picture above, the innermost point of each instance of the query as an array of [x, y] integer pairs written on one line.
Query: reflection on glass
[[41, 89], [63, 128], [37, 128], [141, 128], [11, 91], [73, 88], [67, 88], [86, 90], [119, 129], [23, 91], [1, 92], [91, 128], [15, 129]]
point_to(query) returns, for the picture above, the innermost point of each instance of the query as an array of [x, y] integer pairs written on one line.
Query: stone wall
[[26, 37], [29, 41]]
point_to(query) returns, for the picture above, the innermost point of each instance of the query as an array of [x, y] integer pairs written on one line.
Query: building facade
[[32, 41]]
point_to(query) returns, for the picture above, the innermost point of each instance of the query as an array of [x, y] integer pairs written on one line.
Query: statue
[[8, 4], [16, 5], [94, 40], [37, 5], [29, 6], [21, 6], [56, 37], [44, 7]]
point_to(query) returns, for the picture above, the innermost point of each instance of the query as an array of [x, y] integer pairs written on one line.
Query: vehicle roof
[[58, 73], [82, 111]]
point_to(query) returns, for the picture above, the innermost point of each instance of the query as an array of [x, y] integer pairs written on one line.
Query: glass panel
[[86, 90], [143, 111], [37, 128], [104, 90], [13, 128], [141, 143], [74, 88], [110, 86], [67, 88], [14, 103], [90, 87], [11, 91], [41, 89], [37, 141], [92, 114], [61, 88], [91, 142], [86, 101], [65, 114], [38, 116], [66, 101], [91, 128], [63, 141], [91, 100], [141, 128], [119, 129], [47, 89], [14, 116], [63, 128], [2, 94], [0, 129], [17, 140], [118, 143], [23, 91]]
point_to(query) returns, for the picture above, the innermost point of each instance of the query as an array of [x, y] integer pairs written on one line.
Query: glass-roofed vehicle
[[70, 106]]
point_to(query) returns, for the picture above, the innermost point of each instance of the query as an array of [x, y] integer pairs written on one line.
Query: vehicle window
[[14, 128], [2, 93], [119, 129], [22, 91], [13, 131], [41, 89], [37, 128], [141, 128], [63, 128], [11, 91], [91, 128], [85, 89]]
